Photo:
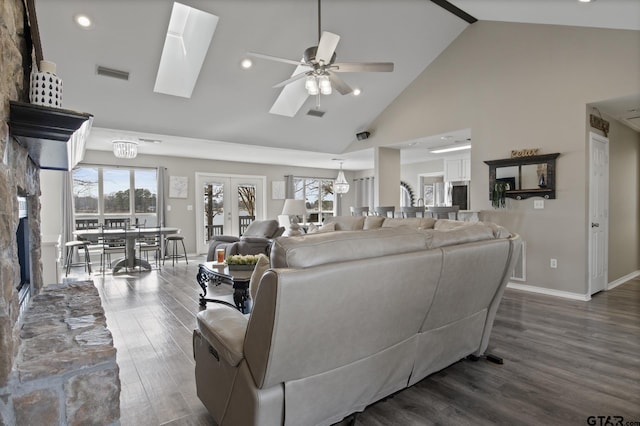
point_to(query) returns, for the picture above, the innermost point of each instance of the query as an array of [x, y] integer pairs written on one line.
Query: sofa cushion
[[459, 235], [373, 222], [323, 248], [446, 224], [413, 222], [346, 223]]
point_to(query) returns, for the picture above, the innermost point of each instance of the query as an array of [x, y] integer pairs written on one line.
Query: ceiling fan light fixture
[[325, 84], [311, 84]]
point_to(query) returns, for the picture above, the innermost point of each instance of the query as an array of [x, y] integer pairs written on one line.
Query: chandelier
[[123, 148], [341, 186]]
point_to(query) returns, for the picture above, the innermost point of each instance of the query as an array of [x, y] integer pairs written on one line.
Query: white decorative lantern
[[45, 87]]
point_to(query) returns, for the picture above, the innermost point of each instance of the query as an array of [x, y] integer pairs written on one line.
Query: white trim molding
[[549, 292], [615, 283]]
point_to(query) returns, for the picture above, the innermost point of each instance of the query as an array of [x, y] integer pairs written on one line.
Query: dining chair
[[359, 211], [411, 211], [111, 244], [146, 243], [387, 211]]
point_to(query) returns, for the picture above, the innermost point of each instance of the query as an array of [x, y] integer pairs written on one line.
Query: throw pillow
[[327, 227], [312, 228], [261, 266]]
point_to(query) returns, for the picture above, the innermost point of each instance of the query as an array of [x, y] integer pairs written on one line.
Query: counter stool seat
[[171, 249], [76, 245]]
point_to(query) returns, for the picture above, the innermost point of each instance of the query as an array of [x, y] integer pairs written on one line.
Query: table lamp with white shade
[[294, 209]]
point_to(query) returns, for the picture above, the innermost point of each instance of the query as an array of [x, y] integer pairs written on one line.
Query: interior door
[[598, 212], [227, 203]]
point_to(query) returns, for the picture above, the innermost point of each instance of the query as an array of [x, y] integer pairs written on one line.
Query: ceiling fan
[[319, 71]]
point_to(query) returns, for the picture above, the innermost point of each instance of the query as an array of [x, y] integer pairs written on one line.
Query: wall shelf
[[54, 137], [523, 174]]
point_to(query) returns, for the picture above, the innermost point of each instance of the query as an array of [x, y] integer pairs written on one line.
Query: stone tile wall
[[66, 370], [18, 176]]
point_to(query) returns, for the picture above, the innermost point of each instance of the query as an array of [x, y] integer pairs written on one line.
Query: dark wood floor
[[563, 360]]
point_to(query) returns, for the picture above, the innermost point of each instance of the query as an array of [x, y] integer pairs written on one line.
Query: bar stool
[[172, 252], [77, 245]]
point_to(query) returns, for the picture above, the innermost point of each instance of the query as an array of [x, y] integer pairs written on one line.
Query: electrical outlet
[[553, 263], [538, 204], [190, 207], [168, 207]]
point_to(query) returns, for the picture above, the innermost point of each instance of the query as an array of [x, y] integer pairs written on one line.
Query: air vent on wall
[[315, 113], [110, 72]]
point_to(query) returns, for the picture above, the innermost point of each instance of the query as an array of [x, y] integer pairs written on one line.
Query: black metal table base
[[207, 276]]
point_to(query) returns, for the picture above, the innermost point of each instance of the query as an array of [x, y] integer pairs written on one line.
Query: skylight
[[188, 38]]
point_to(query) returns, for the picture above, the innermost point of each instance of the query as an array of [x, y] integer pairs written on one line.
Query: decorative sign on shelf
[[528, 152]]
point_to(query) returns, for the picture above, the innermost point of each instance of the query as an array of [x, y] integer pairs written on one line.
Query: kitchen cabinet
[[457, 169]]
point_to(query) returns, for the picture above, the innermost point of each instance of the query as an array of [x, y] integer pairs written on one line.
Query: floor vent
[[110, 72], [315, 113]]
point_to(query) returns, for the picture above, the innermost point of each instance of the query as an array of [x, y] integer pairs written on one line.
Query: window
[[103, 194], [318, 196]]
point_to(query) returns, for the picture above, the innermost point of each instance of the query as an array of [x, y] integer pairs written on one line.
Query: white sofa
[[343, 319]]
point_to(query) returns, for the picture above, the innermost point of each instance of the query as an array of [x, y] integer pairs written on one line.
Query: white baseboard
[[549, 292], [622, 280]]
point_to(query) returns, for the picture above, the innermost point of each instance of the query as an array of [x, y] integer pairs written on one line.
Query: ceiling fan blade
[[291, 80], [327, 46], [292, 96], [274, 58], [339, 84], [363, 67]]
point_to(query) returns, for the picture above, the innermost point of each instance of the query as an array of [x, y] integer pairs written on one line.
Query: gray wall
[[523, 86]]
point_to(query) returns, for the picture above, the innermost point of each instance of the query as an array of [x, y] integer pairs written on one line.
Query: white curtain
[[364, 192], [66, 233], [161, 197], [289, 188]]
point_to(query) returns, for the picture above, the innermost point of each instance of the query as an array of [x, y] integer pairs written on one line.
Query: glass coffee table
[[216, 274]]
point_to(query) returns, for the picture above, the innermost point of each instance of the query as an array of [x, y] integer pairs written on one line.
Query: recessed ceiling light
[[586, 1], [246, 63], [83, 21], [356, 92]]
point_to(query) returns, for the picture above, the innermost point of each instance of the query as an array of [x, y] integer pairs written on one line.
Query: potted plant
[[498, 194]]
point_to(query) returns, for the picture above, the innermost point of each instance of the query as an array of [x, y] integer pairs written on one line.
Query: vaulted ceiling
[[229, 110]]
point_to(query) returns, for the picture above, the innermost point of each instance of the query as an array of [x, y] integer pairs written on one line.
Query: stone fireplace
[[57, 360]]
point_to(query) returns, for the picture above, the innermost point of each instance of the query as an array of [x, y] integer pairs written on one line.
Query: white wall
[[523, 86]]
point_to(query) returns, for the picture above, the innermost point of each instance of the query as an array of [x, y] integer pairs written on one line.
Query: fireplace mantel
[[55, 137]]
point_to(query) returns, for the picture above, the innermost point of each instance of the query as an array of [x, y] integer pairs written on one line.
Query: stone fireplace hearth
[[66, 370]]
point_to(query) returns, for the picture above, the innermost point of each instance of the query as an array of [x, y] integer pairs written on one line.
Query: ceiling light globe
[[83, 21], [246, 63], [325, 85], [356, 92], [311, 85]]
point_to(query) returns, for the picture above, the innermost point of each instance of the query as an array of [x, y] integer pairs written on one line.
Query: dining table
[[130, 261]]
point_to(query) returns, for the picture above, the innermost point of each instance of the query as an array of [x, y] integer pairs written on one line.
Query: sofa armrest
[[260, 240], [224, 328], [225, 238]]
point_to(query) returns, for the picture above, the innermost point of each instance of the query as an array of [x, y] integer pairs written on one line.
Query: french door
[[226, 204]]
